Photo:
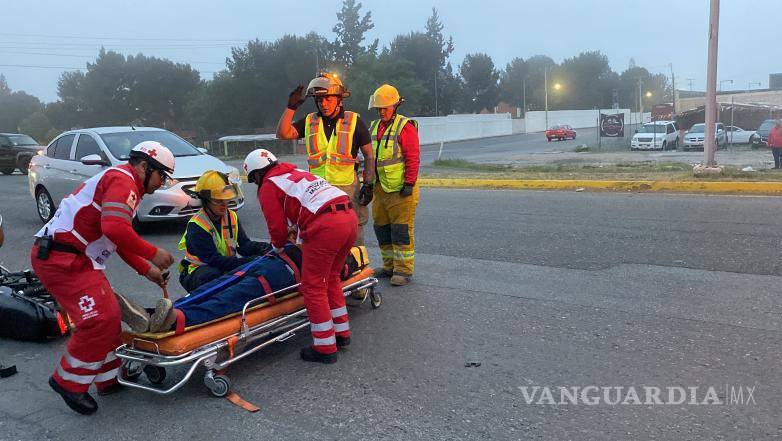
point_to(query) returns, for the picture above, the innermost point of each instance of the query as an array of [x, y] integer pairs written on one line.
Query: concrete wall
[[432, 130], [762, 97], [536, 121], [519, 126]]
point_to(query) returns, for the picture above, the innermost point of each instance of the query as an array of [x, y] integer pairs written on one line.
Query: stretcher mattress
[[169, 343]]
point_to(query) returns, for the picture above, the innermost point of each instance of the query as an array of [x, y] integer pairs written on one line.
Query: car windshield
[[555, 127], [652, 128], [698, 128], [120, 143], [22, 140], [767, 125]]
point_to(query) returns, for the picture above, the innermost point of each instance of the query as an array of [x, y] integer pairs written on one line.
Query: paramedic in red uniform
[[327, 226], [69, 257]]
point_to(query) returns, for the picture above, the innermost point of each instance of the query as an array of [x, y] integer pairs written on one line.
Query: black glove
[[406, 190], [261, 248], [366, 194], [296, 98]]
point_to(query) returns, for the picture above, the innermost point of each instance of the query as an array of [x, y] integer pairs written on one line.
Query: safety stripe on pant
[[93, 365], [341, 324]]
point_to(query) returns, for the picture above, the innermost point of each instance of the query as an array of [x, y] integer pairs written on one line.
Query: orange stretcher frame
[[221, 342]]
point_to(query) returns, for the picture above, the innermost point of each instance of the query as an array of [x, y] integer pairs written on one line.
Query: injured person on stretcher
[[228, 294]]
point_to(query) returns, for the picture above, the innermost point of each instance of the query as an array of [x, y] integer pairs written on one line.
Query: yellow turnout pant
[[394, 218]]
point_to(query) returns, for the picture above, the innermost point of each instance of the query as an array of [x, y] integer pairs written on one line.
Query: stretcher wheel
[[375, 298], [219, 385], [131, 371], [155, 374]]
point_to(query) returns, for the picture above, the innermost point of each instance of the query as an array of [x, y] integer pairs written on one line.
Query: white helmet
[[156, 154], [258, 160]]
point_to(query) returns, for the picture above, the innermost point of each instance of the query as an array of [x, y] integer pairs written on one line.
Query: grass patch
[[624, 171], [462, 164], [583, 149]]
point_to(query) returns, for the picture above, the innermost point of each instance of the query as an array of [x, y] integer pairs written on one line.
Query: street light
[[648, 94], [557, 86]]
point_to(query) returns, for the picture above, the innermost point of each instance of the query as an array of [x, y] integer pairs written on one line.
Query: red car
[[560, 132]]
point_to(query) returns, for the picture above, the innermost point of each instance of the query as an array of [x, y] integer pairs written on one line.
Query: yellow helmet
[[213, 185], [327, 84], [385, 96]]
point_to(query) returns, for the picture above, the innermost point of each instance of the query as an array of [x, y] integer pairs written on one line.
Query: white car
[[656, 135], [737, 135], [694, 138], [77, 155]]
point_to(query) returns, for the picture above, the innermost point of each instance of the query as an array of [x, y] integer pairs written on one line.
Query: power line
[[78, 37], [76, 68], [48, 54]]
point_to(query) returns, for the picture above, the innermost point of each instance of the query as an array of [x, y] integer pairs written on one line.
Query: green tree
[[370, 71], [351, 28], [536, 66], [38, 126], [480, 78], [587, 80], [513, 81], [16, 106]]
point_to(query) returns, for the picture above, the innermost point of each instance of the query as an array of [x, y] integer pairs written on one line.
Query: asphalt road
[[541, 289], [500, 149]]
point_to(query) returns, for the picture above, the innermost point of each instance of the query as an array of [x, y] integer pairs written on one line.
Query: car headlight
[[234, 177]]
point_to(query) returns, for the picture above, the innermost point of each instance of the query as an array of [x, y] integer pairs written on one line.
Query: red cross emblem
[[152, 153], [264, 155]]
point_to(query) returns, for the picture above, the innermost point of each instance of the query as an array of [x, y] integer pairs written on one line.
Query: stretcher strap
[[234, 398], [180, 322], [231, 345], [267, 289], [287, 259]]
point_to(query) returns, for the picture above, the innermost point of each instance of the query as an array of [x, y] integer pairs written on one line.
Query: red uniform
[[95, 221], [327, 229]]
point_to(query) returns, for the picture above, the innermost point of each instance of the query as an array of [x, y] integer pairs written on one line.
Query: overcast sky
[[653, 32]]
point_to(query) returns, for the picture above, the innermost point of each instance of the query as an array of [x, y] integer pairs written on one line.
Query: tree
[[423, 53], [350, 30], [16, 106], [38, 126], [480, 83], [536, 66], [587, 82], [370, 71], [513, 81], [628, 91], [434, 30]]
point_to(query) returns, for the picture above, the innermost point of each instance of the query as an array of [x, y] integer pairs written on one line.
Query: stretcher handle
[[244, 328]]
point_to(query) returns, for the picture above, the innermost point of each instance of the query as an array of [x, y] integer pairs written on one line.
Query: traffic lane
[[599, 230], [446, 358], [500, 149]]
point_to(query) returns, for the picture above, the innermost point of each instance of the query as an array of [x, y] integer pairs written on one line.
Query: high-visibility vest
[[388, 154], [332, 158], [224, 240]]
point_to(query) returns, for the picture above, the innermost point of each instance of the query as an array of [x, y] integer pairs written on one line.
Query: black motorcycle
[[27, 311]]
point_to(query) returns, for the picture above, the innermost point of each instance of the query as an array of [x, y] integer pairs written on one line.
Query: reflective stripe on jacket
[[332, 158]]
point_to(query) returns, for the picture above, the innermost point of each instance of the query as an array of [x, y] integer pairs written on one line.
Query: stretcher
[[269, 319]]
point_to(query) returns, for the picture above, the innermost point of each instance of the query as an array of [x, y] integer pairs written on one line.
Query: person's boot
[[82, 403], [400, 280], [135, 316], [110, 390], [309, 354], [382, 272], [164, 316], [342, 341]]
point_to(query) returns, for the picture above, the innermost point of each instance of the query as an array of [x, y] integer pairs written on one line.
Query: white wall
[[536, 121], [433, 130]]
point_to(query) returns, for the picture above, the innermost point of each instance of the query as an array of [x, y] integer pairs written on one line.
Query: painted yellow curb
[[564, 184]]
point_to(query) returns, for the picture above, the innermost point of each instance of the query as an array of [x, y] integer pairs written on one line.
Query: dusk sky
[[53, 35]]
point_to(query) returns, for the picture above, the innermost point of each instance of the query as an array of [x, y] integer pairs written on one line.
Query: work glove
[[296, 98], [260, 248], [366, 194], [406, 190]]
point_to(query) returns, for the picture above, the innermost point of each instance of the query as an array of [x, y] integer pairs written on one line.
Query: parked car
[[760, 139], [560, 132], [737, 135], [76, 155], [16, 150], [694, 138], [661, 135]]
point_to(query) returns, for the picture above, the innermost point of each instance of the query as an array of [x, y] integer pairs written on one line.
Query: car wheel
[[137, 225], [44, 204], [8, 170], [23, 164]]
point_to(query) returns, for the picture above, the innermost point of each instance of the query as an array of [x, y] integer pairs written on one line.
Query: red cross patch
[[152, 153], [264, 155]]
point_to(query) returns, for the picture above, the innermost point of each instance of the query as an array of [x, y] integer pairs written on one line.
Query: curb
[[661, 186]]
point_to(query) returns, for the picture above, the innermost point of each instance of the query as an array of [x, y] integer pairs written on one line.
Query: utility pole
[[640, 101], [436, 110], [673, 88], [524, 97], [711, 85], [545, 87]]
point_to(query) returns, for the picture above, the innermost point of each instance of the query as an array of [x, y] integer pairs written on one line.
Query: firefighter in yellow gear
[[214, 241], [395, 144], [333, 137]]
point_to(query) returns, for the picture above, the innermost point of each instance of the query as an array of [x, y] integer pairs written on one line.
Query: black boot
[[309, 354], [110, 390], [343, 341], [81, 403]]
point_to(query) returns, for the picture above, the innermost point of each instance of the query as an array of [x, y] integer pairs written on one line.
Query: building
[[686, 100]]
